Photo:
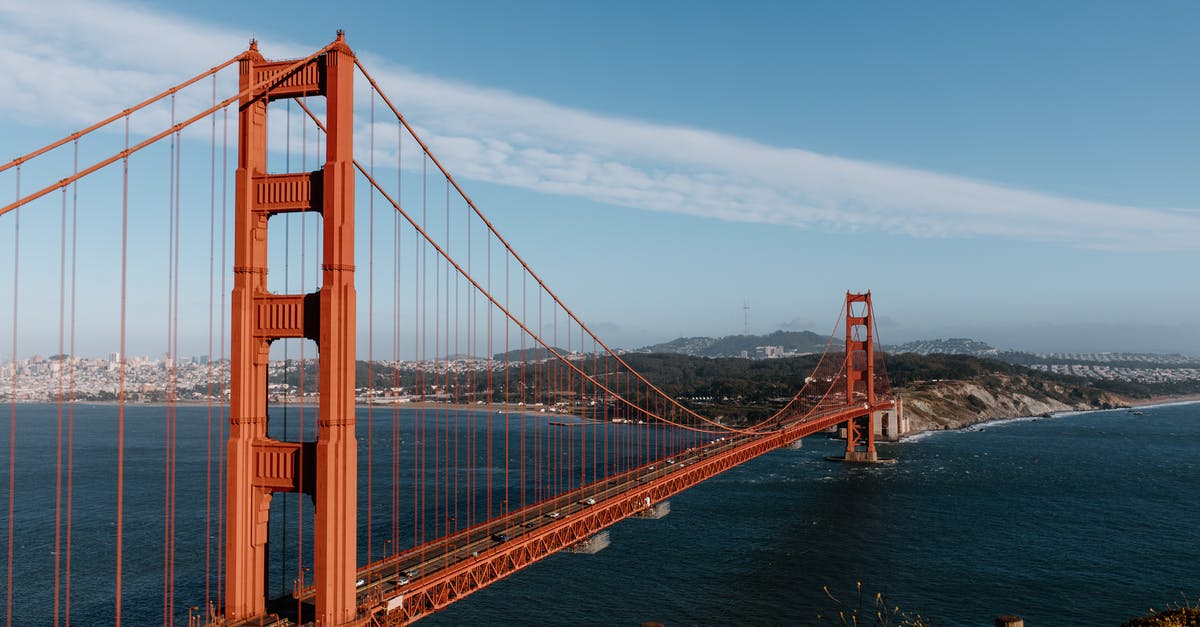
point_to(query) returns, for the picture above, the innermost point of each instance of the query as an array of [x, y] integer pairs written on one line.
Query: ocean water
[[1085, 519], [1082, 519]]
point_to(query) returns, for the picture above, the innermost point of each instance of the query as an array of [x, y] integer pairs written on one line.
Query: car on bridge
[[500, 537]]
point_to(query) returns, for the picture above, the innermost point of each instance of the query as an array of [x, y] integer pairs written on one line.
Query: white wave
[[983, 426], [917, 437]]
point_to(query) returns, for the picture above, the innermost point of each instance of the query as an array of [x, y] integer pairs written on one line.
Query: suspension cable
[[254, 89]]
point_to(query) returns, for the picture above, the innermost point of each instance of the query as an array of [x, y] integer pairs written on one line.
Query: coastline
[[1149, 403], [979, 420]]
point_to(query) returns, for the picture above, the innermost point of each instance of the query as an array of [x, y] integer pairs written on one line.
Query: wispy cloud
[[74, 62]]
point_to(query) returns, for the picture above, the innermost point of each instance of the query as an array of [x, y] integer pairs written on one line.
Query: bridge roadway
[[427, 578]]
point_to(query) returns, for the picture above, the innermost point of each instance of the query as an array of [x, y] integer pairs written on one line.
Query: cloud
[[75, 62], [797, 324]]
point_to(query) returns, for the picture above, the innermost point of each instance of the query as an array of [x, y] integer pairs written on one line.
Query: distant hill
[[792, 343], [531, 353]]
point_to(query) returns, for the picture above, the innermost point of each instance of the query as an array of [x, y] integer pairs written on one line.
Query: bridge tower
[[259, 466], [860, 376]]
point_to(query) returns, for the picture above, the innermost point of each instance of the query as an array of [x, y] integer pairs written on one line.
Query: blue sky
[[1020, 172]]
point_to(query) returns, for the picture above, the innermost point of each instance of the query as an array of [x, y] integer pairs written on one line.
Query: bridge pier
[[592, 545], [656, 511]]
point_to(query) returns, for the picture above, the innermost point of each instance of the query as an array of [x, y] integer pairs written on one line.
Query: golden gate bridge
[[492, 354]]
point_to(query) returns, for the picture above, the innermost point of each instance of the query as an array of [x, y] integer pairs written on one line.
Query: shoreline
[[1150, 403], [1154, 401]]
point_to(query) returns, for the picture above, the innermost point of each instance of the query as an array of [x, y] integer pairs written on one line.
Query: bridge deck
[[429, 577]]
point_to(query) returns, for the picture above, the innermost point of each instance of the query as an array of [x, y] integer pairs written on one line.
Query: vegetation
[[735, 345], [872, 612], [1186, 615], [735, 389]]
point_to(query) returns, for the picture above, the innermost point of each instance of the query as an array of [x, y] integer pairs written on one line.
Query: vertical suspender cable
[[449, 488], [300, 461], [524, 388], [166, 516], [371, 341], [174, 443], [12, 410], [417, 442], [421, 327], [287, 365], [491, 389], [472, 380], [507, 407], [208, 445], [458, 377], [441, 425], [396, 347], [58, 452], [71, 404], [121, 384], [167, 409], [220, 600], [437, 411]]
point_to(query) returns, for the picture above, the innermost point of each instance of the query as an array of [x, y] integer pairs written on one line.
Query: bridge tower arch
[[257, 465]]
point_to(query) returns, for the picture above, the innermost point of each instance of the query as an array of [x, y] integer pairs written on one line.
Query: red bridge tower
[[860, 377], [259, 466]]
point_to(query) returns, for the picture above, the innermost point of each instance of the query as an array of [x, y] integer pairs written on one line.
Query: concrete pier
[[656, 511], [861, 457], [592, 545]]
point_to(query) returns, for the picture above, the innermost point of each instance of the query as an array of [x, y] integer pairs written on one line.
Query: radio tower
[[746, 317]]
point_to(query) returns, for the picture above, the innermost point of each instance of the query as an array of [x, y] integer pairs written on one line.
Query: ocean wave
[[983, 426], [917, 437]]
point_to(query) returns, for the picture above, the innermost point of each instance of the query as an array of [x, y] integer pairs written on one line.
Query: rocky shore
[[953, 404]]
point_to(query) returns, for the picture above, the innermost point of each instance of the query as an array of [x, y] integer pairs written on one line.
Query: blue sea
[[1081, 519]]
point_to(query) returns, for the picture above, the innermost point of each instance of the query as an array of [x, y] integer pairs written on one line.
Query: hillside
[[951, 404], [943, 391], [792, 342], [940, 391]]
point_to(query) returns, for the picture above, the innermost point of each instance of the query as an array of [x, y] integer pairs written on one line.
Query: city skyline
[[1018, 174]]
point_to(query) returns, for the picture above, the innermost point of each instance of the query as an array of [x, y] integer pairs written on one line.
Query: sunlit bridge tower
[[860, 377], [259, 466]]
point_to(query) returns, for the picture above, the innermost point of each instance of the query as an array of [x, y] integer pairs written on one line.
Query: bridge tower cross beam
[[860, 375], [258, 466]]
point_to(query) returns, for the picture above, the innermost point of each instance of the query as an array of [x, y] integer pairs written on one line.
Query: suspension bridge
[[395, 409]]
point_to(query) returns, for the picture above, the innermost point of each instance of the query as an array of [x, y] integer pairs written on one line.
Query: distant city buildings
[[41, 379], [1128, 367], [1123, 373], [46, 379], [770, 352]]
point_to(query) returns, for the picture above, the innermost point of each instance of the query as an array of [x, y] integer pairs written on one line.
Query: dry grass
[[1186, 615], [868, 612]]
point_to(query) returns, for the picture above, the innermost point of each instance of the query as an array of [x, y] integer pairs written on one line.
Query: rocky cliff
[[951, 404]]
